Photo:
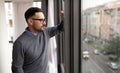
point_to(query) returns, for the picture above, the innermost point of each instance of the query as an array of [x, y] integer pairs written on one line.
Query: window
[[107, 43], [9, 20], [37, 4]]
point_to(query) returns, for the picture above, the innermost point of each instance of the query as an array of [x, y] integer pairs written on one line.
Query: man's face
[[38, 22]]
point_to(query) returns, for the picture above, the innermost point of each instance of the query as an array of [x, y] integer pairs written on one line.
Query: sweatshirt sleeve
[[17, 58], [52, 31]]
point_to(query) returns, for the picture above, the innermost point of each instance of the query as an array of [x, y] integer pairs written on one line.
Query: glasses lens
[[41, 20]]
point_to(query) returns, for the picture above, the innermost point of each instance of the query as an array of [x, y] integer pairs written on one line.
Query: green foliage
[[114, 46]]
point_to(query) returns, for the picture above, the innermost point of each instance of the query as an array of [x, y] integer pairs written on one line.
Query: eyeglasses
[[41, 20]]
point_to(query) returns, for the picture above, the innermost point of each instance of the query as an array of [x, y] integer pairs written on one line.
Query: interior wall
[[19, 22], [5, 55]]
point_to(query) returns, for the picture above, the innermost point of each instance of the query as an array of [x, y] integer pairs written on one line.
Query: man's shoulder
[[21, 38]]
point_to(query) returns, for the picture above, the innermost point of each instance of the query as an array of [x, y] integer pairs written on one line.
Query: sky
[[92, 3]]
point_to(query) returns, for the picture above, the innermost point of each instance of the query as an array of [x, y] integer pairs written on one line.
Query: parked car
[[96, 52], [113, 65], [104, 52], [87, 40], [85, 54]]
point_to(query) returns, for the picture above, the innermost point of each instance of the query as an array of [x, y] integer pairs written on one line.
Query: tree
[[114, 46]]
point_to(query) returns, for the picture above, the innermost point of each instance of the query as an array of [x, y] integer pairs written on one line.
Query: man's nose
[[44, 22]]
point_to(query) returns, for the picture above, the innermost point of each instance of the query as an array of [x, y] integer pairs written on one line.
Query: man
[[30, 49]]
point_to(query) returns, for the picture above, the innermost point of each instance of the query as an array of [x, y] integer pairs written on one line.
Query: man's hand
[[62, 14]]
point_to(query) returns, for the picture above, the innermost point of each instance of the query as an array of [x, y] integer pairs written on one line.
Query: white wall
[[5, 52], [19, 22]]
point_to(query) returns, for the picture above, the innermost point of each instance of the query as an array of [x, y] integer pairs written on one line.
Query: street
[[95, 63]]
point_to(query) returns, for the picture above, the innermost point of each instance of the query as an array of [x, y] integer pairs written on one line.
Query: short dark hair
[[31, 11]]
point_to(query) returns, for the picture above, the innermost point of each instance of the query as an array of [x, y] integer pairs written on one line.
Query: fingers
[[61, 13]]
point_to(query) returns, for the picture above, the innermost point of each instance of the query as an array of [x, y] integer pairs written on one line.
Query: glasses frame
[[41, 20]]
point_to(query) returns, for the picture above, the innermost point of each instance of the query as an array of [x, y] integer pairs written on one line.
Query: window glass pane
[[9, 20], [100, 36], [37, 4]]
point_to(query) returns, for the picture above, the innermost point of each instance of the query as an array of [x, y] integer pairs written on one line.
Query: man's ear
[[30, 21]]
